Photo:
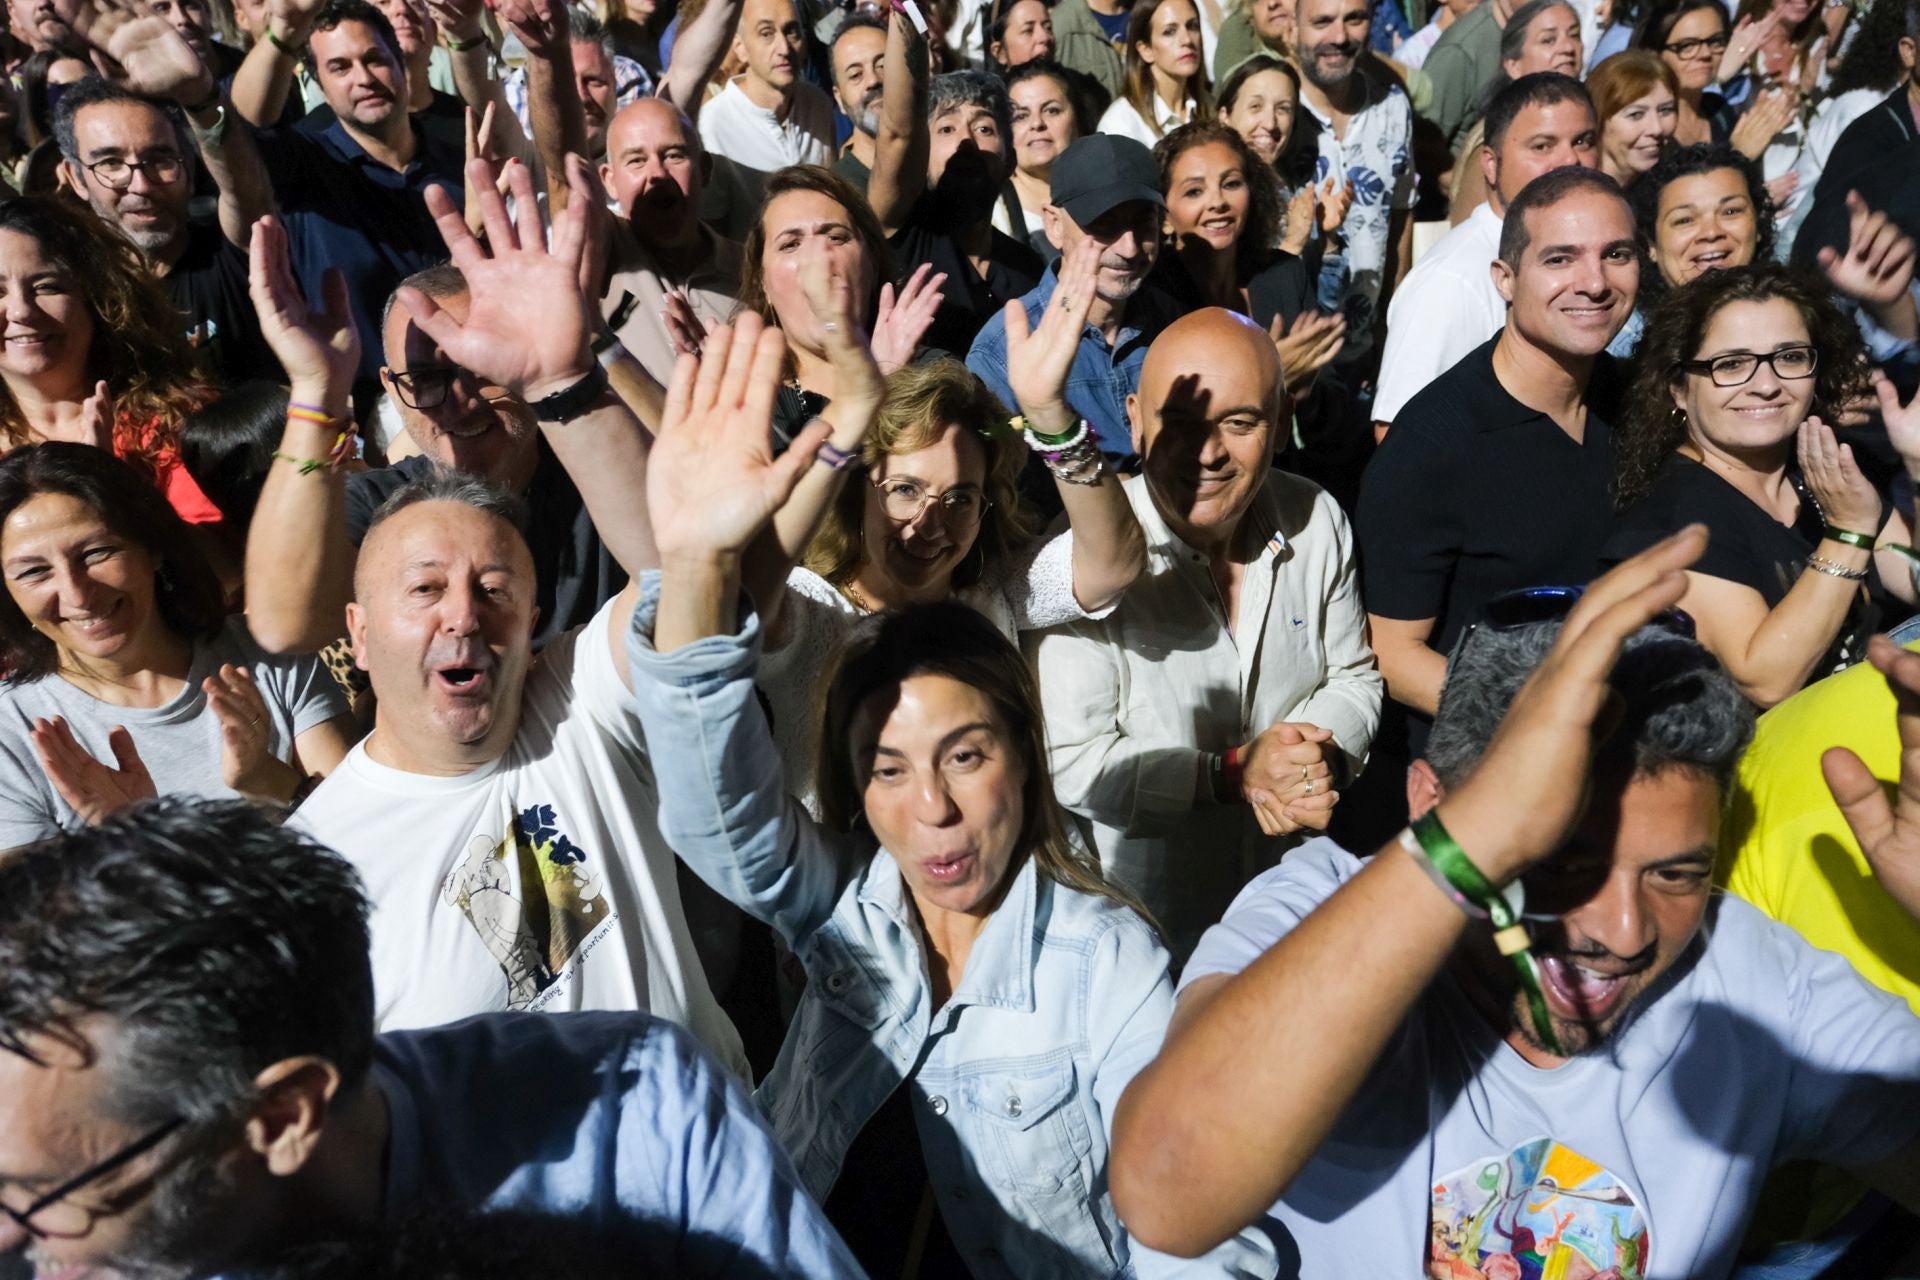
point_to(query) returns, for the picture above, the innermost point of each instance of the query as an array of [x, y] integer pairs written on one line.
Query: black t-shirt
[[1747, 546], [968, 301], [573, 570], [209, 287], [1473, 494], [1280, 287]]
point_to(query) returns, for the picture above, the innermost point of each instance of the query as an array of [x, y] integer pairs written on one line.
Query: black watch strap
[[570, 403]]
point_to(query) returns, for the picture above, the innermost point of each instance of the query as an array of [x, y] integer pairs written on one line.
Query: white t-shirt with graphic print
[[537, 882], [1644, 1156]]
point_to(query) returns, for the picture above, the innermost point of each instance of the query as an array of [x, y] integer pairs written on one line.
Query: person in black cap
[[1106, 189]]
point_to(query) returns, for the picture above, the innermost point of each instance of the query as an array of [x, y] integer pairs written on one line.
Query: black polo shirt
[[444, 119], [209, 287], [1473, 494], [342, 208], [967, 300]]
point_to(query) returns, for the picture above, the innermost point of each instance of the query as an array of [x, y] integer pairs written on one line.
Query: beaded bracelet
[[1043, 444], [1834, 569], [1081, 463]]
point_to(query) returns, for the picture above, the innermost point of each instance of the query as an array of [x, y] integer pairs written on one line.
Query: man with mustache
[[941, 156], [42, 26], [133, 164], [1361, 125], [859, 54], [1528, 1028], [1231, 694]]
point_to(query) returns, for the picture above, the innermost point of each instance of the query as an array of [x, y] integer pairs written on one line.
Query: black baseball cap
[[1101, 172]]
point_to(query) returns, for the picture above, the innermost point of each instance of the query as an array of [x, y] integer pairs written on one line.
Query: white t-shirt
[[731, 125], [1445, 308], [536, 882], [1645, 1156]]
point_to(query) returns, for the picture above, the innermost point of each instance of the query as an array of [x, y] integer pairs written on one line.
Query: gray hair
[[450, 486], [588, 29], [1681, 708], [1513, 36], [972, 88], [94, 91], [442, 280]]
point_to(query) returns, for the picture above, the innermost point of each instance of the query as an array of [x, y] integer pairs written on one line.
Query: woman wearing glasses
[[1706, 52], [1725, 428], [92, 352], [926, 507]]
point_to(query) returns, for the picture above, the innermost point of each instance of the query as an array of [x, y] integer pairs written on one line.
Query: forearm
[[299, 560], [272, 781], [1109, 548], [697, 54], [1414, 672], [1788, 644], [470, 58], [795, 523], [233, 160], [900, 145], [605, 454], [265, 77], [558, 120], [633, 384], [1246, 1089]]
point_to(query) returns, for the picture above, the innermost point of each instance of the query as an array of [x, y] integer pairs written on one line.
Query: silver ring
[[829, 326], [1309, 788]]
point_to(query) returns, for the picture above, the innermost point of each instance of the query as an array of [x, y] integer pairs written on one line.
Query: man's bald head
[[1210, 400], [656, 170]]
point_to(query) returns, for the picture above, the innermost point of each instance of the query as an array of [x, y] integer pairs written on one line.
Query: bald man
[[656, 170], [1213, 716], [768, 116]]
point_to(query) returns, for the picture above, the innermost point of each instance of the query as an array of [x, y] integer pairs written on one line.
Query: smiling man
[[1407, 1087], [1499, 474], [1232, 691]]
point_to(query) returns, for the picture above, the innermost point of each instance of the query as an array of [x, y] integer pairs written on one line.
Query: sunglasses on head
[[1531, 605]]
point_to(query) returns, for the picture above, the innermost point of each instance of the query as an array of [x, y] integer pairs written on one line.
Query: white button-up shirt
[[1445, 308], [1133, 701], [732, 125]]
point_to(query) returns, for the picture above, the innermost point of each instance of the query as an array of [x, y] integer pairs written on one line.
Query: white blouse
[[1121, 118]]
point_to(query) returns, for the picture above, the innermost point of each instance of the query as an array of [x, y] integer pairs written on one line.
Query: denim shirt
[[1013, 1081]]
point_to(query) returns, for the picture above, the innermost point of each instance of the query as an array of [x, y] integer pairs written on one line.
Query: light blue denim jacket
[[1013, 1082]]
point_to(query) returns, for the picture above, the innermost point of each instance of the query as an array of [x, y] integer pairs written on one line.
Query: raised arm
[[469, 53], [266, 76], [1109, 550], [299, 565], [146, 56], [900, 147], [1259, 1065], [697, 54], [527, 329], [554, 113]]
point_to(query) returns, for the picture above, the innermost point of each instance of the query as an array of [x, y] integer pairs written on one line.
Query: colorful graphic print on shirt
[[1539, 1212], [534, 899]]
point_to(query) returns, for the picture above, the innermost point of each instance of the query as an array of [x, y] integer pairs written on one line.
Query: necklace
[[858, 601]]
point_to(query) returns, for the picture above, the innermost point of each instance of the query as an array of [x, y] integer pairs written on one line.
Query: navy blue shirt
[[342, 208]]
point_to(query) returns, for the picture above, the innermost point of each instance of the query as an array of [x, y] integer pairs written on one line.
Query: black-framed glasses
[[1737, 368], [426, 386], [116, 172], [1687, 48], [905, 500], [1531, 605], [53, 1214]]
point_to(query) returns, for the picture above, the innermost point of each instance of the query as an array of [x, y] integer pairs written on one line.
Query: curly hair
[[923, 401], [1265, 207], [860, 216], [1872, 61], [1137, 87], [139, 348], [1687, 162], [1654, 428]]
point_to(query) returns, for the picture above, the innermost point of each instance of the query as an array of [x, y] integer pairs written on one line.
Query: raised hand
[[143, 53], [457, 19], [713, 481], [1888, 832], [1902, 421], [1746, 37], [528, 323], [1755, 131], [685, 329], [319, 348], [900, 322], [1308, 345], [1303, 214], [1335, 201], [1530, 786], [292, 19], [96, 418], [1877, 267], [858, 386], [91, 789], [542, 25], [247, 762], [1040, 359], [1848, 497]]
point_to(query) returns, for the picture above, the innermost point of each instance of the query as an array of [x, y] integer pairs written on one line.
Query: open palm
[[144, 54], [316, 347]]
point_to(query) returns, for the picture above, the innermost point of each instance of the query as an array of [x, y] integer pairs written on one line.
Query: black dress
[[1747, 546]]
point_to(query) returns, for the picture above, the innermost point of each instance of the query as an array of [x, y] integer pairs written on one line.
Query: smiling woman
[[116, 646]]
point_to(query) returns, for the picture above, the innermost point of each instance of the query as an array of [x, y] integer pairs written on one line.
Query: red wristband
[[1230, 770]]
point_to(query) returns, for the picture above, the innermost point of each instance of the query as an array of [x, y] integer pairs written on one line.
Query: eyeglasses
[[426, 387], [905, 500], [1687, 48], [1737, 368], [115, 173], [53, 1214]]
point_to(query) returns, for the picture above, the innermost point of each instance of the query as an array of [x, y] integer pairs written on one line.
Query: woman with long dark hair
[[1166, 76], [116, 646]]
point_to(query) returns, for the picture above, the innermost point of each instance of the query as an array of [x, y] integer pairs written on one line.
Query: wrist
[[200, 98], [286, 37], [1050, 418], [324, 396], [1484, 842], [544, 386]]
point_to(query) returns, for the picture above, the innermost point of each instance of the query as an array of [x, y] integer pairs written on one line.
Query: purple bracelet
[[834, 459]]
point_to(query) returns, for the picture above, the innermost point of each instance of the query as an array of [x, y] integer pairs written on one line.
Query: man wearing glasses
[[226, 1098], [134, 165]]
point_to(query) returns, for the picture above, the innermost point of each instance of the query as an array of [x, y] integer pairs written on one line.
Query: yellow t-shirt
[[1786, 849]]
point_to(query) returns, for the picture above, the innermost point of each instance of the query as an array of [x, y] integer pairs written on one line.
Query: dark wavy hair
[[1686, 162], [1659, 20], [885, 649], [1265, 206], [1654, 428], [215, 942], [1872, 61], [860, 216], [139, 345], [186, 590]]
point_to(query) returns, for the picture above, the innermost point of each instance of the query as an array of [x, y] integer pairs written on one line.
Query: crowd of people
[[960, 638]]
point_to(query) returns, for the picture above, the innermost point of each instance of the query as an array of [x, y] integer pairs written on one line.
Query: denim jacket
[[1065, 996]]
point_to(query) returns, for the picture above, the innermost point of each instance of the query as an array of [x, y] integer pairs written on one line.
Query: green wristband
[[1864, 541], [461, 46], [273, 38]]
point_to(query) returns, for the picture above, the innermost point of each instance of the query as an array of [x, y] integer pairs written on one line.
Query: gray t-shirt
[[179, 742], [1645, 1156]]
